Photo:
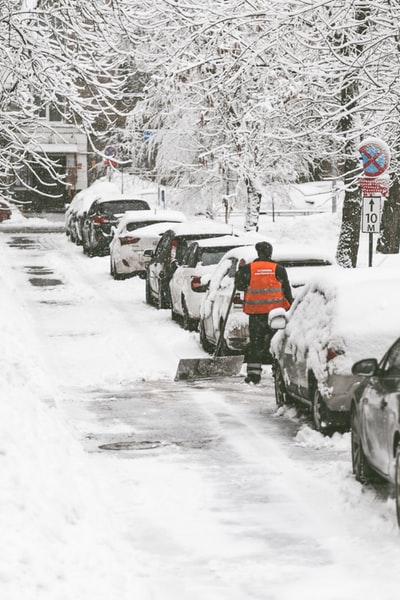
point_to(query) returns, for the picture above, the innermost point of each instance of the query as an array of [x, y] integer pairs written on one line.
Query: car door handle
[[383, 404]]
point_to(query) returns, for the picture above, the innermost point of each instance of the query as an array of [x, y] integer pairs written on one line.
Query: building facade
[[37, 186]]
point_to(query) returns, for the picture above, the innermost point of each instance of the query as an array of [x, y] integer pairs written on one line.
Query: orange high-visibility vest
[[265, 290]]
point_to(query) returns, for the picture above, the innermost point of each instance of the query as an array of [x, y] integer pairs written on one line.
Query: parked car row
[[93, 218], [326, 350], [170, 252]]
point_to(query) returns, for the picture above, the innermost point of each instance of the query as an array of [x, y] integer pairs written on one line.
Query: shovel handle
[[218, 347]]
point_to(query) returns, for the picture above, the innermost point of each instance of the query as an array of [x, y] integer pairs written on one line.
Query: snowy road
[[218, 495]]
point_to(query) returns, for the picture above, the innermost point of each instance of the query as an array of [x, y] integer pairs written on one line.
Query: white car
[[189, 282], [136, 232], [301, 264]]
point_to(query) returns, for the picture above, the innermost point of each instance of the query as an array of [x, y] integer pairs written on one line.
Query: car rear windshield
[[116, 207], [183, 241], [212, 256], [305, 262], [136, 225]]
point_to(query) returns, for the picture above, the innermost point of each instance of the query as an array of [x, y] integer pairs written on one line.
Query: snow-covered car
[[77, 210], [71, 217], [5, 210], [375, 420], [189, 282], [300, 262], [101, 219], [169, 253], [138, 231], [336, 319]]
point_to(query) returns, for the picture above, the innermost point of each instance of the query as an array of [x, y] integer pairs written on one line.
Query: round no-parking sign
[[375, 155]]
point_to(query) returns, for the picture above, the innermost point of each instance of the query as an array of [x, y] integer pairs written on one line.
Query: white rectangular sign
[[371, 214]]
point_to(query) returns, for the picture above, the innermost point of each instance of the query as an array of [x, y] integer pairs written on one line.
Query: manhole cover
[[132, 445], [43, 282], [194, 444]]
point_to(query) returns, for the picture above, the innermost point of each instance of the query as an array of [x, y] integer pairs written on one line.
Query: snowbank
[[55, 519]]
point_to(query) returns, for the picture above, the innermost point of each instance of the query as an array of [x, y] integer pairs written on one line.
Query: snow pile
[[55, 532], [309, 438]]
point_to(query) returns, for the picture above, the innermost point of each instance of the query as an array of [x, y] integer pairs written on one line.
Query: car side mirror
[[148, 253], [277, 318], [365, 367]]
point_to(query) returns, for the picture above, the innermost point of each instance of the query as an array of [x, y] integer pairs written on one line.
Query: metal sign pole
[[375, 156], [370, 249]]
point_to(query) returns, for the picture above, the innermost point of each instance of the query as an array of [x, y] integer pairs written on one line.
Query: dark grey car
[[101, 217], [375, 420]]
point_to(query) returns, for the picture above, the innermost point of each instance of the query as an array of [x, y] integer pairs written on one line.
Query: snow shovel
[[216, 366]]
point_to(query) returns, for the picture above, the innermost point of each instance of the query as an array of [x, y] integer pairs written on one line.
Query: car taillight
[[128, 240], [100, 220], [196, 283], [332, 353], [172, 252]]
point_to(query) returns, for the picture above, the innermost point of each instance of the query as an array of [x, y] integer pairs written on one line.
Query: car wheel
[[280, 388], [149, 297], [114, 273], [188, 323], [320, 413], [206, 345], [174, 316], [397, 484], [361, 468], [163, 300]]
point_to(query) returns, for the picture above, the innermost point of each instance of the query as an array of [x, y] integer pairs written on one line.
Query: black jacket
[[242, 278]]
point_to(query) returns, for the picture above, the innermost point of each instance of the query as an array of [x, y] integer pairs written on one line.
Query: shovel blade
[[208, 368]]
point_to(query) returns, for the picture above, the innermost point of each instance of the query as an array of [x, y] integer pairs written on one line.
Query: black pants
[[260, 337]]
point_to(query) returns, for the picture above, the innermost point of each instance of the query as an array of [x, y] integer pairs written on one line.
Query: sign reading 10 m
[[371, 214]]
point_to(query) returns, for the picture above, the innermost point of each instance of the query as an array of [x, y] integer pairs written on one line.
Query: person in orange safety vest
[[266, 286]]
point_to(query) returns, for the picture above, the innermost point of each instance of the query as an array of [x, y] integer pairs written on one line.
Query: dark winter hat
[[264, 249]]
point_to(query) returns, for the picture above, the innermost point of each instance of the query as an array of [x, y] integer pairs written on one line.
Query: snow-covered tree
[[66, 54]]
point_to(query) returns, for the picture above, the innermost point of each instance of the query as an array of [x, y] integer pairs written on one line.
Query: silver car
[[331, 324], [375, 420]]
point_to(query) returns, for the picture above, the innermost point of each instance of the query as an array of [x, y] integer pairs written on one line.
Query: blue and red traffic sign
[[110, 152], [375, 156]]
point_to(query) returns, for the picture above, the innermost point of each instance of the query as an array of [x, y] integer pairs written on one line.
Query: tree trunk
[[253, 206], [389, 239], [349, 238]]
